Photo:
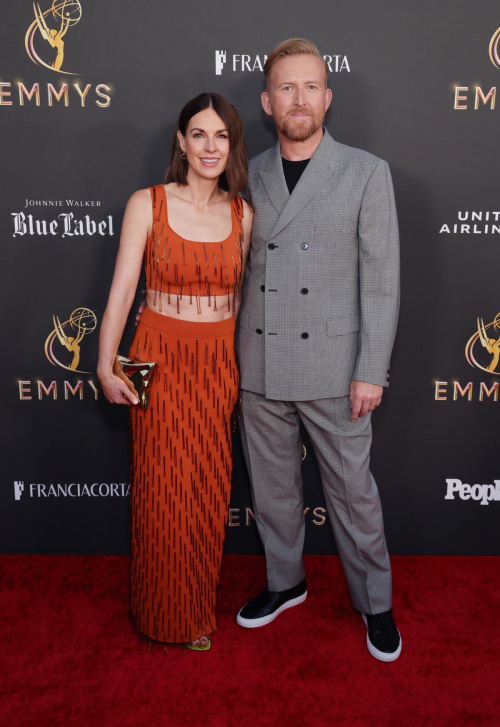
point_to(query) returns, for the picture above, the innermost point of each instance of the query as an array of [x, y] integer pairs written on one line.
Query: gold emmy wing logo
[[492, 346], [494, 57], [66, 13], [81, 322]]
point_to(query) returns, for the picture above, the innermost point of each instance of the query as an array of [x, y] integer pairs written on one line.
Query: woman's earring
[[183, 154]]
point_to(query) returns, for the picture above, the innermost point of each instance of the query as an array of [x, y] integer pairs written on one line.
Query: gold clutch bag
[[140, 373]]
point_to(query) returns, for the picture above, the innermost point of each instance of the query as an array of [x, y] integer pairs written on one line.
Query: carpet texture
[[69, 656]]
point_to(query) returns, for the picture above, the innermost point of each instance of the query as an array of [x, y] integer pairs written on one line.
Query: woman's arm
[[137, 222], [247, 234]]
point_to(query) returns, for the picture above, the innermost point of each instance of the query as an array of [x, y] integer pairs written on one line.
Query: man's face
[[297, 96]]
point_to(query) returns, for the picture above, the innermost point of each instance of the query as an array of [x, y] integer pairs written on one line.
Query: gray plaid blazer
[[321, 288]]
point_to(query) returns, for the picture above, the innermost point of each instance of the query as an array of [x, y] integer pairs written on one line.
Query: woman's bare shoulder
[[140, 200], [138, 207], [247, 210]]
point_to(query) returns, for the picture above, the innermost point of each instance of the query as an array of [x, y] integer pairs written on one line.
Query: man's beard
[[299, 130]]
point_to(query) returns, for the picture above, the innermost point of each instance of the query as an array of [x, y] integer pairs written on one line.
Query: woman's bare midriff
[[199, 310]]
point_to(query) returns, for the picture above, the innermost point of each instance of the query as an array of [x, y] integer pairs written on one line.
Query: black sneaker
[[383, 638], [269, 604]]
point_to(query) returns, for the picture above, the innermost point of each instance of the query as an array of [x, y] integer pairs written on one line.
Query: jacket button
[[271, 246], [263, 288], [304, 291], [304, 246], [258, 330], [304, 335]]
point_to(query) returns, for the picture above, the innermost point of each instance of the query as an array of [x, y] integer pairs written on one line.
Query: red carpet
[[70, 659]]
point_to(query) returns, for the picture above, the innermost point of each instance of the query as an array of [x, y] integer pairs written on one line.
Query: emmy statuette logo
[[66, 14], [493, 49], [69, 335], [45, 45], [63, 349], [489, 337], [482, 351]]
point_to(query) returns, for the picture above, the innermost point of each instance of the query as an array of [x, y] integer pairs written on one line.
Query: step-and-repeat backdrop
[[89, 95]]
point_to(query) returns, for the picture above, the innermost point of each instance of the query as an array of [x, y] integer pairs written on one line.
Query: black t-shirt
[[293, 171]]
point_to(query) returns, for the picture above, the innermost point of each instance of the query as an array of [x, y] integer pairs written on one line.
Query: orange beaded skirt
[[181, 464]]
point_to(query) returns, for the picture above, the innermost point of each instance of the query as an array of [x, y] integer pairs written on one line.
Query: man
[[315, 333]]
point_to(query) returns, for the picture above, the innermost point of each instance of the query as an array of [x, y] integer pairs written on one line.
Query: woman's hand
[[118, 389]]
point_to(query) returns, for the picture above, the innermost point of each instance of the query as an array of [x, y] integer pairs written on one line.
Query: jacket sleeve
[[378, 277]]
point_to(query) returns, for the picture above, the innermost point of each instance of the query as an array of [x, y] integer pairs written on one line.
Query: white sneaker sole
[[255, 623], [381, 655]]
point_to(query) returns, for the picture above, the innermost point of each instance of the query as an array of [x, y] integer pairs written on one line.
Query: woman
[[194, 235]]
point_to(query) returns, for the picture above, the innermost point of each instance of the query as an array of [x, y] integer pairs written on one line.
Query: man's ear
[[328, 98], [266, 103]]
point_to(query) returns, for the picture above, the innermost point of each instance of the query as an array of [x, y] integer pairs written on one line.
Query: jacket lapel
[[319, 169], [274, 180]]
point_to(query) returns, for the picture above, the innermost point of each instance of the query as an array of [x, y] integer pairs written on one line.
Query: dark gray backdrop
[[393, 96]]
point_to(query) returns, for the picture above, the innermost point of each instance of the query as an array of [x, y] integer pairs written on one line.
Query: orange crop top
[[185, 268]]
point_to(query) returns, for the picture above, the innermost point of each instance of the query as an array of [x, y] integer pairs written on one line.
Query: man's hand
[[364, 398], [140, 309]]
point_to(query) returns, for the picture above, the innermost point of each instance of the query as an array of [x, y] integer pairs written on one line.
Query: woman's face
[[206, 144]]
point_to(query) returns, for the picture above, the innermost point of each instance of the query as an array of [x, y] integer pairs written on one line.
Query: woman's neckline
[[195, 242]]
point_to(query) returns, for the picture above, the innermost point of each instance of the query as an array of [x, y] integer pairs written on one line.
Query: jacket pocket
[[243, 319], [339, 326]]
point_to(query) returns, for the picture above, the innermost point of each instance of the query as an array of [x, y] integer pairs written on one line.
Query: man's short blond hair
[[293, 47]]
